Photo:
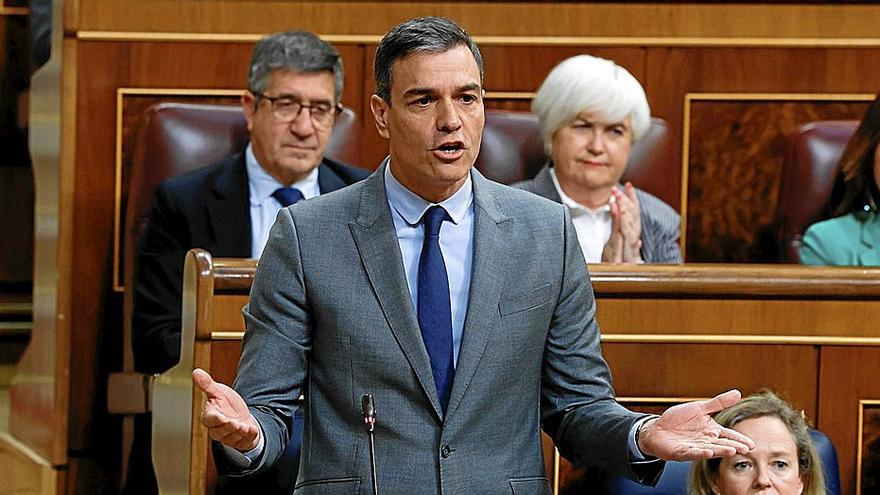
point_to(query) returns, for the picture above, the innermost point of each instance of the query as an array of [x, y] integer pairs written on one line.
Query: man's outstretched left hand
[[687, 432]]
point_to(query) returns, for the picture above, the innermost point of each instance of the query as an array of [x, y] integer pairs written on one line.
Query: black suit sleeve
[[158, 281]]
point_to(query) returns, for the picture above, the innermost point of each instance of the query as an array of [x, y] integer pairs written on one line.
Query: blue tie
[[287, 195], [434, 311]]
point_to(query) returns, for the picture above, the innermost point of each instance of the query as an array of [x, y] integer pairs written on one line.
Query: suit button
[[445, 451]]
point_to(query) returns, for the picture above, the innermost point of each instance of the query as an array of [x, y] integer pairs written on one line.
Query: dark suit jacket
[[661, 225], [207, 208], [337, 323]]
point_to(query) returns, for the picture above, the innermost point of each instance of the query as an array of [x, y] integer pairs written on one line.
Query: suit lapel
[[228, 211], [491, 267], [376, 241]]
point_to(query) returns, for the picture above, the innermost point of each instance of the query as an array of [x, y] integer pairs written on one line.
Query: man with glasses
[[294, 86]]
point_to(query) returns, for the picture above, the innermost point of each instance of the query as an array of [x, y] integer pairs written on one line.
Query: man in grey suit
[[463, 306], [591, 111]]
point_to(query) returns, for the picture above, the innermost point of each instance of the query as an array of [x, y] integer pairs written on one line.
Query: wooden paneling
[[737, 147], [24, 472], [704, 370], [826, 381], [482, 18], [847, 374]]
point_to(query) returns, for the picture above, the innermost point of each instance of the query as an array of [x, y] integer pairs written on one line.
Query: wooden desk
[[809, 333]]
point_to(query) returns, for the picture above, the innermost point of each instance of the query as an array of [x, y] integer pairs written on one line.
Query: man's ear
[[380, 115], [248, 105]]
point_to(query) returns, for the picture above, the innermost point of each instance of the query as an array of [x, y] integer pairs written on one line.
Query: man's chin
[[300, 164]]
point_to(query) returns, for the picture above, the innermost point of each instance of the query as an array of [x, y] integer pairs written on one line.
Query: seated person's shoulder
[[654, 204], [194, 180], [525, 206], [830, 242], [348, 173], [657, 210]]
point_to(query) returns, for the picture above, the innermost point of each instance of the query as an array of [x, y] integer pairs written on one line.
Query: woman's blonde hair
[[766, 403]]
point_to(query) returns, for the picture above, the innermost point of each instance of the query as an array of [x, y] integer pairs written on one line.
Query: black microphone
[[368, 408]]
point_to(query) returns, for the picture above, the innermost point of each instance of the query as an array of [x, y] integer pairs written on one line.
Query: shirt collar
[[411, 207], [261, 185], [571, 203]]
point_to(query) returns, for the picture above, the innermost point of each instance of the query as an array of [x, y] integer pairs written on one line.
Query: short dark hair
[[298, 51], [419, 35]]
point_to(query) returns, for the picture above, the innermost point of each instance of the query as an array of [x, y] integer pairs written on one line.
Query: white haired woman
[[591, 111]]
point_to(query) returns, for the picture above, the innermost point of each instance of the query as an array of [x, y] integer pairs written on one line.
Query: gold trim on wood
[[862, 404], [17, 446], [117, 179], [689, 97], [738, 339], [686, 130], [642, 338], [643, 41], [14, 10], [508, 95], [16, 308]]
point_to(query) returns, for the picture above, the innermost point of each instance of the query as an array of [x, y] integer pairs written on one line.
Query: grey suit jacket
[[661, 225], [330, 316]]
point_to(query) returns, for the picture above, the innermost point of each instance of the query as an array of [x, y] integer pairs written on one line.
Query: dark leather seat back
[[674, 480], [512, 151], [808, 174]]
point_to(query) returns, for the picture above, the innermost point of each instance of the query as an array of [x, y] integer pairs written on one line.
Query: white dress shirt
[[593, 226], [264, 208]]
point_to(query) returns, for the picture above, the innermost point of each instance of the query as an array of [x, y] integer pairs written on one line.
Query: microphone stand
[[369, 411]]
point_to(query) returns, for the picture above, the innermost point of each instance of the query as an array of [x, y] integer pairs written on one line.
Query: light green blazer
[[843, 241]]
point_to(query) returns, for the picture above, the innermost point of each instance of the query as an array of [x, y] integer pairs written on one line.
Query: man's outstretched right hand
[[226, 415]]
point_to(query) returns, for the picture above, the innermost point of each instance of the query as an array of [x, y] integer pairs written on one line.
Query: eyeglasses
[[287, 109]]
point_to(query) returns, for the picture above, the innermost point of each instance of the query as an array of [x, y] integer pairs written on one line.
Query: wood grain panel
[[227, 316], [672, 72], [695, 370], [734, 170], [725, 318], [483, 18], [23, 472], [847, 374], [523, 68]]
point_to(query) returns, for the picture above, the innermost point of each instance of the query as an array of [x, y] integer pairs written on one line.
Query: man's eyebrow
[[417, 92], [294, 96], [429, 91]]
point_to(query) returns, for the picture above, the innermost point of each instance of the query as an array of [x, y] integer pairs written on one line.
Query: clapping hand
[[687, 432], [625, 243]]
